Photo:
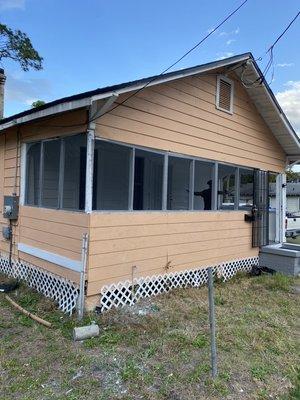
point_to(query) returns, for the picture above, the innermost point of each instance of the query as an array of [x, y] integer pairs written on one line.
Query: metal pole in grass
[[212, 323], [84, 249]]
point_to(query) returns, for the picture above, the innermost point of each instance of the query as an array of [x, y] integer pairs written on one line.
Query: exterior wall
[[160, 242], [59, 232], [181, 116], [56, 231]]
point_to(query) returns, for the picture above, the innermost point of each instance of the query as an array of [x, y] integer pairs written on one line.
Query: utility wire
[[162, 73], [176, 62], [270, 63]]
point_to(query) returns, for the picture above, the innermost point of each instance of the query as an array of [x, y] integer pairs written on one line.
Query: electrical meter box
[[11, 207]]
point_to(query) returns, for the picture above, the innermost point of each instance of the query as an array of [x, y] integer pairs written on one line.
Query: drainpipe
[[2, 84]]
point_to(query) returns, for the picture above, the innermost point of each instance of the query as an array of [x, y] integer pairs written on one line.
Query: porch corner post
[[89, 168], [280, 208]]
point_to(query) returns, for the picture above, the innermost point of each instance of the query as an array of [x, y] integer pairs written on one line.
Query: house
[[130, 190], [292, 196]]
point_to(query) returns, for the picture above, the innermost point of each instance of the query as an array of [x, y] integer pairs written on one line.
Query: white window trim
[[23, 173], [230, 81]]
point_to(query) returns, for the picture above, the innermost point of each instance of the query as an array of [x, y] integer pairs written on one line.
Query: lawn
[[159, 349]]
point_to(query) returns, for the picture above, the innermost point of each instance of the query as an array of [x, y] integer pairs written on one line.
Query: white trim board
[[62, 261]]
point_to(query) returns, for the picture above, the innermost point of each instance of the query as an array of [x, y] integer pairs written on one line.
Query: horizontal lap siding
[[162, 242], [56, 231], [181, 117], [59, 232]]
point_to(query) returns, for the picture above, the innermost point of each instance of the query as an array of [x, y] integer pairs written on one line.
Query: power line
[[286, 29], [270, 63], [93, 118], [176, 62]]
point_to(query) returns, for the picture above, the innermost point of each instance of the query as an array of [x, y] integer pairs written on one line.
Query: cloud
[[26, 91], [229, 41], [289, 100], [10, 4], [226, 54], [282, 65], [234, 32]]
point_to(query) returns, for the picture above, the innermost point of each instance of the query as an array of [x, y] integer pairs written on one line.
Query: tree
[[17, 46], [38, 103], [292, 176]]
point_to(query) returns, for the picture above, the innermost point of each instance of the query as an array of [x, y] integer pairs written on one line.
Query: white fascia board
[[195, 71], [290, 132], [58, 108], [65, 262], [73, 104]]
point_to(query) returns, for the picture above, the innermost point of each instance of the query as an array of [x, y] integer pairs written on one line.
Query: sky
[[95, 43]]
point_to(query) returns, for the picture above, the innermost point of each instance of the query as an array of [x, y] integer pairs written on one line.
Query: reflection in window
[[33, 174], [226, 186], [203, 184], [148, 180], [178, 183], [74, 172], [111, 173], [246, 180], [50, 175]]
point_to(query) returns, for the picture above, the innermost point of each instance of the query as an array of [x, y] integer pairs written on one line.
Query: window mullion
[[192, 185], [61, 173], [165, 182], [215, 196], [131, 179], [41, 175], [237, 189]]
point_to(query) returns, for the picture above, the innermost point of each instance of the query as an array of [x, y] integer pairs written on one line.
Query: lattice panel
[[61, 290], [126, 293]]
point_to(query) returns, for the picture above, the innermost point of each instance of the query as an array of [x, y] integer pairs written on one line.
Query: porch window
[[148, 180], [203, 185], [33, 174], [178, 183], [226, 186], [111, 176], [54, 171], [246, 187], [50, 173]]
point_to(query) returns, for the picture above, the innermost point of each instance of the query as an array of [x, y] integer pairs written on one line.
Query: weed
[[200, 341], [260, 372], [198, 372], [130, 371]]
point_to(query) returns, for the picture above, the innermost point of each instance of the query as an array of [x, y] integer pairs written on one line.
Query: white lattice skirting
[[128, 292], [61, 290]]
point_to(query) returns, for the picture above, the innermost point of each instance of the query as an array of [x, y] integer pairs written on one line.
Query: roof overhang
[[243, 65]]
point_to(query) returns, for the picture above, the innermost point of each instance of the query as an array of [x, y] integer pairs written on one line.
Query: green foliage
[[17, 46], [38, 103], [292, 176], [130, 371]]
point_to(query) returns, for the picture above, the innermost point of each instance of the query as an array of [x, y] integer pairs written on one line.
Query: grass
[[162, 353]]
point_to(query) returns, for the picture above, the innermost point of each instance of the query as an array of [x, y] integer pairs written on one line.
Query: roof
[[292, 189], [244, 66]]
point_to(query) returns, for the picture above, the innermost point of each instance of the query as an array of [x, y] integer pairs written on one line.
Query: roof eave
[[71, 104]]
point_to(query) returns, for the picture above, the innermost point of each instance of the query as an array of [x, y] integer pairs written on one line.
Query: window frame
[[245, 208], [24, 182], [231, 82], [166, 154]]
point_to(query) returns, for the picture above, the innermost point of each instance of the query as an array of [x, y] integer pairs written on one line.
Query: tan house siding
[[160, 242], [56, 231], [181, 117]]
